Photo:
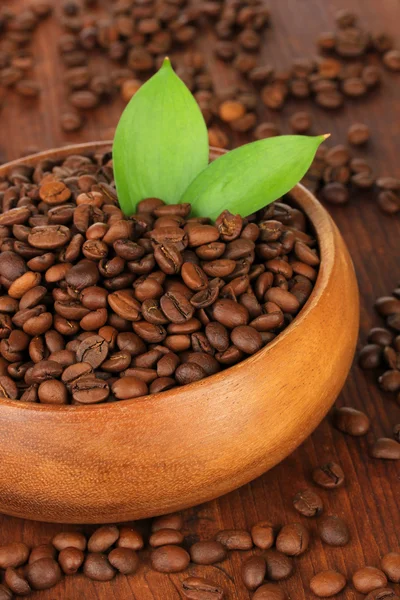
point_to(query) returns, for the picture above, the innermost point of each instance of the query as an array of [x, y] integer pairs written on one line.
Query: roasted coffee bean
[[129, 387], [43, 574], [367, 579], [382, 594], [335, 193], [189, 373], [70, 560], [98, 567], [390, 381], [230, 313], [253, 572], [169, 559], [16, 582], [391, 60], [5, 592], [165, 537], [171, 521], [52, 391], [13, 555], [329, 475], [130, 538], [333, 531], [308, 503], [351, 421], [69, 539], [176, 307], [390, 565], [196, 588], [386, 448], [207, 553], [269, 591], [301, 122], [370, 356], [358, 134], [263, 535], [103, 538], [327, 583], [42, 551], [235, 539], [293, 539], [125, 560], [279, 566]]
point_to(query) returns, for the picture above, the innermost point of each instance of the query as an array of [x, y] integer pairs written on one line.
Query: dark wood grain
[[370, 499]]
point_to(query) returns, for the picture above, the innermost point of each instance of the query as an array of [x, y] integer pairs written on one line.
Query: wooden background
[[369, 501]]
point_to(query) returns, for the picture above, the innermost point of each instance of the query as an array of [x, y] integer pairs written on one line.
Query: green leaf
[[161, 142], [252, 176]]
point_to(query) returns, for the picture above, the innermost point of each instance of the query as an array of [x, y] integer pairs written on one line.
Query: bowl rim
[[315, 212]]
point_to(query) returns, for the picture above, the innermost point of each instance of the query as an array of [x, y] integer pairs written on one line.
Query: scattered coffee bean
[[207, 552], [351, 421], [333, 531], [253, 572], [69, 539], [103, 538], [13, 555], [70, 560], [43, 574], [263, 535], [327, 583], [308, 503], [164, 537], [197, 588], [16, 582], [269, 591], [235, 539], [279, 566], [172, 521], [328, 476], [293, 539], [169, 559], [125, 560], [382, 594], [390, 565], [386, 448], [358, 134], [98, 567], [367, 579]]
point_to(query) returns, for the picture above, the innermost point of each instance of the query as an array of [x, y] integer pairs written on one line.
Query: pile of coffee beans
[[98, 307], [269, 550]]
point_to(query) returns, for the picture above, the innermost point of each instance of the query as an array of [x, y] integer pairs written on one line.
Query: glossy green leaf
[[252, 176], [161, 142]]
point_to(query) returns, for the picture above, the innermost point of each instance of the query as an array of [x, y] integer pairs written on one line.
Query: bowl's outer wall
[[136, 459]]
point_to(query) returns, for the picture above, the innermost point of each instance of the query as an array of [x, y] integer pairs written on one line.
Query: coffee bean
[[103, 538], [301, 122], [69, 539], [13, 555], [98, 567], [382, 594], [125, 560], [327, 583], [253, 572], [247, 339], [389, 202], [358, 134], [172, 521], [235, 539], [351, 421], [207, 552], [390, 381], [386, 448], [70, 560], [390, 565], [42, 551], [269, 591], [391, 60], [370, 356], [165, 537], [329, 475], [196, 588], [16, 582], [279, 566], [367, 579], [293, 539], [333, 531], [5, 592], [43, 574], [130, 538], [169, 559], [308, 503]]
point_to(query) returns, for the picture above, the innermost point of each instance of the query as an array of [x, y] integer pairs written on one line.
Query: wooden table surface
[[369, 501]]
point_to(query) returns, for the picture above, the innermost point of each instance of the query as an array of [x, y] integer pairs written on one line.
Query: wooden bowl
[[160, 453]]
